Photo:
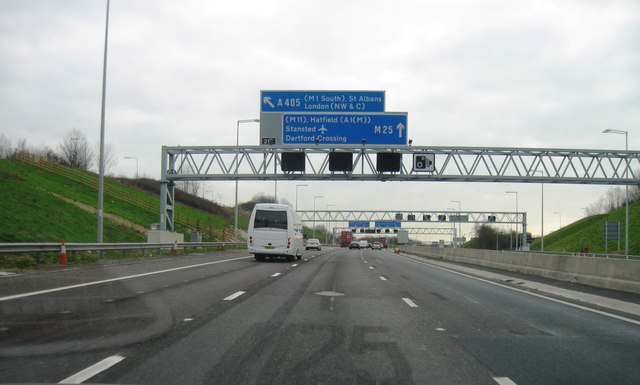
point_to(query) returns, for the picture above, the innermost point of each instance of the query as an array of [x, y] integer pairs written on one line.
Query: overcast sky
[[547, 74]]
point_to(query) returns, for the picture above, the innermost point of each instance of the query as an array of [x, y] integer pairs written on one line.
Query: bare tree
[[189, 186], [5, 147], [22, 146], [110, 158], [75, 151], [615, 198]]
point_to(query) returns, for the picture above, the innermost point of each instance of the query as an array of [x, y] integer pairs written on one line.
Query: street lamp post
[[453, 226], [102, 129], [517, 234], [559, 218], [235, 209], [459, 220], [136, 158], [329, 225], [626, 187], [314, 213], [541, 213], [299, 185]]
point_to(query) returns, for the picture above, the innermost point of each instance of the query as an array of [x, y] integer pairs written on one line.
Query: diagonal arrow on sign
[[267, 100]]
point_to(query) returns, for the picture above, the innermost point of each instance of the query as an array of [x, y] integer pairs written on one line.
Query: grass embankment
[[589, 233], [39, 205]]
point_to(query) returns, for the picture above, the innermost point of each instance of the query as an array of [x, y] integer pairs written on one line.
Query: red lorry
[[345, 238]]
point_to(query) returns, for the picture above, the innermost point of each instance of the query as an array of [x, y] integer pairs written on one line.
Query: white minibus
[[275, 230]]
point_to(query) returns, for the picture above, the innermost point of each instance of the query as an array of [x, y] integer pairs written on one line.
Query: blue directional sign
[[387, 128], [358, 224], [321, 101], [387, 224]]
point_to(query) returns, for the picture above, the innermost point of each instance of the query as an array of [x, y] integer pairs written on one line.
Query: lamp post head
[[612, 131]]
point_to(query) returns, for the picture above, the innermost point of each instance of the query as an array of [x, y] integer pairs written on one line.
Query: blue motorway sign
[[321, 101], [386, 128], [386, 224], [358, 223]]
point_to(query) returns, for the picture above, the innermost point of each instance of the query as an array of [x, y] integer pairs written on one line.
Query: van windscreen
[[271, 219]]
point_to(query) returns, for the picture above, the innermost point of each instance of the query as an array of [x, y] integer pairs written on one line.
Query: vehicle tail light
[[289, 243], [251, 240]]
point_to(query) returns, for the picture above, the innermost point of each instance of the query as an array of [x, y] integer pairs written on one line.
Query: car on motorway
[[376, 246], [313, 243], [354, 245], [364, 244]]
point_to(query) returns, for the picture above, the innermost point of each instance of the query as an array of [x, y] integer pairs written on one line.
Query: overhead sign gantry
[[372, 152]]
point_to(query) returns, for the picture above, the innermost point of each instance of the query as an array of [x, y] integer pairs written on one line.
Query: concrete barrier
[[616, 274]]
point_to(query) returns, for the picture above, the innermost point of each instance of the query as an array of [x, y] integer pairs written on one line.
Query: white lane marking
[[294, 265], [234, 296], [371, 267], [604, 313], [504, 381], [16, 296], [92, 370], [276, 274], [409, 302], [470, 300], [383, 278]]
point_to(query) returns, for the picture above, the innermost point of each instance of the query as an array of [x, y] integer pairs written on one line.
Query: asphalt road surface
[[337, 316]]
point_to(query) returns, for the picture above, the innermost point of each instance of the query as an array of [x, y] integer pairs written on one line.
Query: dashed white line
[[294, 265], [92, 370], [16, 296], [504, 381], [470, 300], [383, 278], [276, 274], [371, 267], [409, 302], [234, 296]]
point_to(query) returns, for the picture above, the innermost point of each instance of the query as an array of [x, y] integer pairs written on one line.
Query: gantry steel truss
[[420, 216], [463, 164], [411, 230]]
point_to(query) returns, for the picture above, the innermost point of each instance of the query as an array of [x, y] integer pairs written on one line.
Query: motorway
[[337, 316]]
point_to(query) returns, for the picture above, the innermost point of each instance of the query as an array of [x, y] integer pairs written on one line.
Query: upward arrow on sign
[[400, 127]]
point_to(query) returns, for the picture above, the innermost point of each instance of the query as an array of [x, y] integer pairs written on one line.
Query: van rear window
[[271, 219]]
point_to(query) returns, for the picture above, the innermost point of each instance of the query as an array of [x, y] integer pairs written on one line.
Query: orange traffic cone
[[63, 253]]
